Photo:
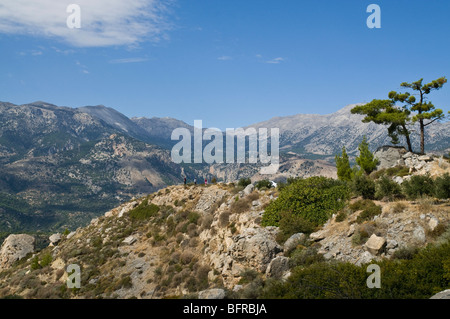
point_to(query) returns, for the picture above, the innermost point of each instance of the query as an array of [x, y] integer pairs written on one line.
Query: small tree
[[344, 171], [386, 113], [423, 110], [366, 160]]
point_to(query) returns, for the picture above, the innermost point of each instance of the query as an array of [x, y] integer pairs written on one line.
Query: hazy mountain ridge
[[325, 135]]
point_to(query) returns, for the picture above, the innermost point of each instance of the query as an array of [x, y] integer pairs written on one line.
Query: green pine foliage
[[344, 171], [366, 160]]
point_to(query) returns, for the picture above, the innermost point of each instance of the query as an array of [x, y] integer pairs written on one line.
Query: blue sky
[[229, 63]]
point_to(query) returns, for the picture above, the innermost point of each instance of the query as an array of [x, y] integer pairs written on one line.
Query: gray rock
[[71, 234], [55, 239], [389, 156], [317, 236], [15, 247], [419, 234], [442, 295], [433, 223], [249, 189], [365, 258], [408, 155], [425, 158], [293, 242], [255, 247], [375, 244], [351, 230], [256, 203], [237, 288], [130, 240], [214, 293], [277, 267], [391, 244]]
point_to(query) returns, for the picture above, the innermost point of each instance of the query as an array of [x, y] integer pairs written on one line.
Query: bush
[[46, 260], [368, 213], [387, 188], [341, 216], [442, 186], [263, 184], [144, 211], [418, 186], [292, 224], [244, 182], [314, 199], [363, 186], [368, 207], [420, 276]]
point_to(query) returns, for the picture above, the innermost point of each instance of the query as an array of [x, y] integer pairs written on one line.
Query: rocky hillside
[[208, 242]]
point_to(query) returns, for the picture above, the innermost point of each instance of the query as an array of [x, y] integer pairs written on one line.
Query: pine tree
[[424, 110], [366, 160], [385, 112], [344, 171]]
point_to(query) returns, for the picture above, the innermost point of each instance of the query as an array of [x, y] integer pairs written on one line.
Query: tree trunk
[[422, 137], [408, 140]]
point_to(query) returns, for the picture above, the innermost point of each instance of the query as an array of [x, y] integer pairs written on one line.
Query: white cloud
[[103, 22], [128, 60], [224, 58], [275, 61]]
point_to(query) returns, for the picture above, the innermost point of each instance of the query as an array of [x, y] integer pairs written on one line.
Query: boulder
[[442, 295], [55, 239], [419, 234], [70, 235], [278, 267], [375, 244], [255, 247], [425, 158], [249, 189], [365, 258], [15, 247], [130, 240], [433, 223], [317, 236], [215, 293], [293, 242], [390, 156]]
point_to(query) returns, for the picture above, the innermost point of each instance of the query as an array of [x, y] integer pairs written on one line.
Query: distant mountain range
[[61, 166], [323, 136]]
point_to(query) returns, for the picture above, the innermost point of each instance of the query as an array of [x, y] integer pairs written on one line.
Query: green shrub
[[35, 263], [442, 186], [314, 199], [244, 182], [341, 216], [46, 260], [418, 186], [368, 214], [291, 224], [421, 275], [263, 184], [305, 257], [363, 186], [144, 211], [387, 188]]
